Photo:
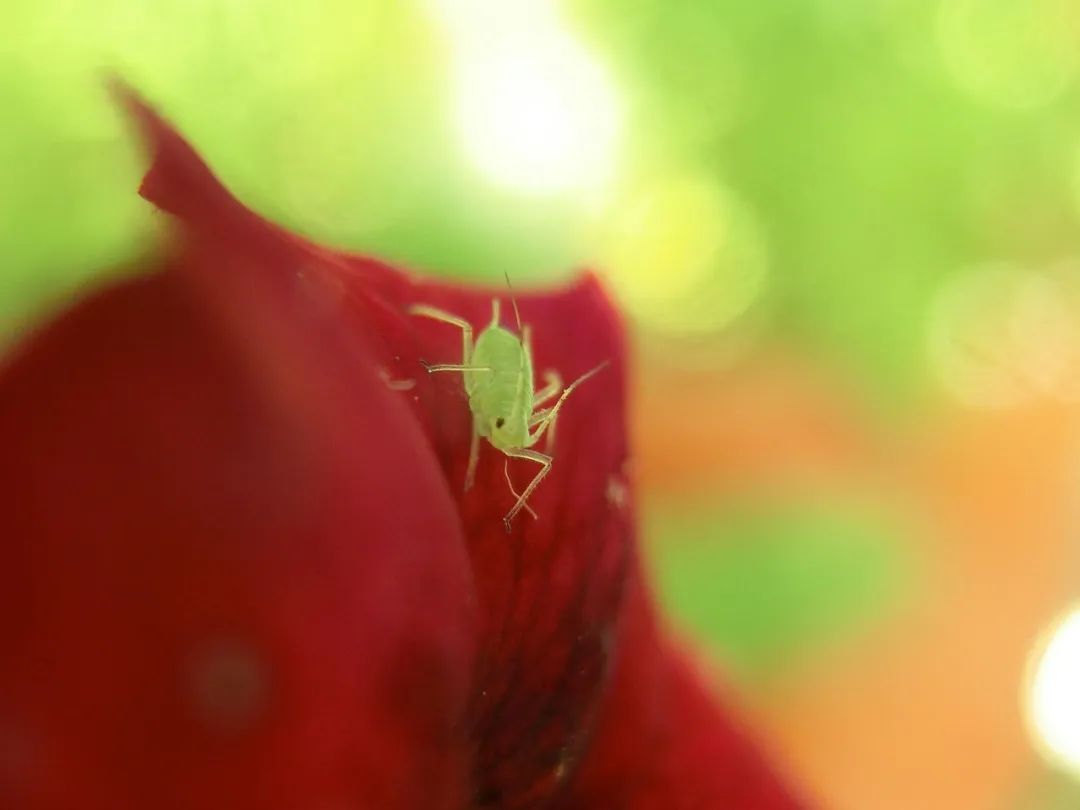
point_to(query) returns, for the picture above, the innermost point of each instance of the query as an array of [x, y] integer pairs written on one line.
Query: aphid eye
[[500, 422]]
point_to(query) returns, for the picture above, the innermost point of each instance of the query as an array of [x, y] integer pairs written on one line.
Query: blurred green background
[[836, 162], [888, 190]]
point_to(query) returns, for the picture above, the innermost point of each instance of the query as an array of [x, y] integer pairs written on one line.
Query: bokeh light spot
[[685, 256], [1053, 694], [474, 22], [1001, 335], [1065, 277], [1015, 54], [539, 116], [537, 111]]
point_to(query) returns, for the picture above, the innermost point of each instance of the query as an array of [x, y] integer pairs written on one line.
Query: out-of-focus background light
[[1053, 698], [538, 115], [710, 247], [536, 109], [1011, 53], [845, 236], [1002, 335]]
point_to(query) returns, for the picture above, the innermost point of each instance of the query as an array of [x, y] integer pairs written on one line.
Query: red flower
[[238, 567]]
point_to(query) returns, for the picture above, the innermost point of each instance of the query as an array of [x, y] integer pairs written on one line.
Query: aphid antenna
[[513, 301], [590, 373]]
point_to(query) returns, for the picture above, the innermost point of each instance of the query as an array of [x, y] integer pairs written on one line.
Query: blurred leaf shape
[[765, 583]]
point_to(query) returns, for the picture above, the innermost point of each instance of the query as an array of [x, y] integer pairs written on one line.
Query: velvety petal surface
[[230, 573], [571, 697], [548, 593], [663, 742]]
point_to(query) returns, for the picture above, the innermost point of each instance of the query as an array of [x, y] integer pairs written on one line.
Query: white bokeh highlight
[[536, 110], [1053, 695], [1002, 335]]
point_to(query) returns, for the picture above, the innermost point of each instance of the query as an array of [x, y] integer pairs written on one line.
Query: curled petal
[[663, 743], [229, 564], [573, 698], [548, 594]]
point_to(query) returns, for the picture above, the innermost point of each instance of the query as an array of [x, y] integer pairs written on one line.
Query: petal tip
[[176, 171]]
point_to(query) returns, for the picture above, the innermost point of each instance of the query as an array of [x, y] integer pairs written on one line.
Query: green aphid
[[506, 408]]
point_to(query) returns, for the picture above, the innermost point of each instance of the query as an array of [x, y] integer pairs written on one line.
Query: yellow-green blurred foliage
[[846, 234]]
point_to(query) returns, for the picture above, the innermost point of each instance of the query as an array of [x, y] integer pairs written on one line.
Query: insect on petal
[[241, 569]]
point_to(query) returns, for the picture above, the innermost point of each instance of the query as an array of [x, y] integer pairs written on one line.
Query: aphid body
[[501, 399], [506, 408]]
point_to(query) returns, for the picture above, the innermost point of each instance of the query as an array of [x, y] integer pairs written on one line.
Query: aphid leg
[[539, 416], [509, 483], [552, 386], [544, 416], [495, 312], [545, 465], [474, 458], [545, 420], [424, 311], [553, 422], [453, 367]]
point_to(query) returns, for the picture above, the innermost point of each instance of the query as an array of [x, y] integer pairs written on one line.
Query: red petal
[[230, 574], [550, 594], [662, 743]]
